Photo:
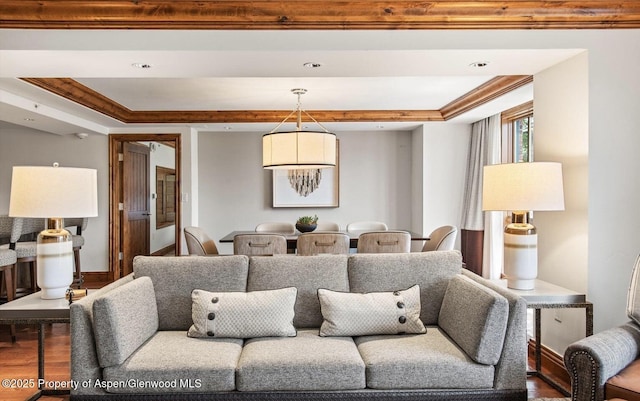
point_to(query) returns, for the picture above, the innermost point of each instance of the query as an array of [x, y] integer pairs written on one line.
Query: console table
[[31, 309], [550, 296]]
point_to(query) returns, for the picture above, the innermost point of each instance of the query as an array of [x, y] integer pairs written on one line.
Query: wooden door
[[136, 204]]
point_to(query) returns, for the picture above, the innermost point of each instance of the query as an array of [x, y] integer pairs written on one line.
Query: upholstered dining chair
[[441, 239], [8, 259], [25, 250], [316, 243], [327, 226], [367, 226], [259, 244], [384, 242], [276, 227], [198, 242], [80, 225]]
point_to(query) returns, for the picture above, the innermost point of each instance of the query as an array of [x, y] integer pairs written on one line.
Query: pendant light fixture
[[299, 149]]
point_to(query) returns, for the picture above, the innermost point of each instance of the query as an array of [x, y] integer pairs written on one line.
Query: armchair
[[607, 365]]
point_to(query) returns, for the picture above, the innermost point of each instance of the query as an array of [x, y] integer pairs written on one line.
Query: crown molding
[[318, 14], [81, 94]]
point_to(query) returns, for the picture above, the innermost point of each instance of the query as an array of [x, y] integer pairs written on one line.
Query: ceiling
[[242, 80]]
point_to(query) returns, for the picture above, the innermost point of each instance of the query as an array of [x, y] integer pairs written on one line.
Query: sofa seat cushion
[[626, 384], [172, 362], [420, 361], [305, 362]]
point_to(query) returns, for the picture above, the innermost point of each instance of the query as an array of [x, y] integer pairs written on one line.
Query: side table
[[550, 296], [31, 309]]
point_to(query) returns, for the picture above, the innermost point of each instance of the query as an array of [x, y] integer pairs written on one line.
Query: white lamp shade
[[298, 149], [523, 187], [59, 192]]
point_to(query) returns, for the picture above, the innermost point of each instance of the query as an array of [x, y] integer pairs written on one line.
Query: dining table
[[292, 239]]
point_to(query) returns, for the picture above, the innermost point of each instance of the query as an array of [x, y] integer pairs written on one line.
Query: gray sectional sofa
[[408, 327]]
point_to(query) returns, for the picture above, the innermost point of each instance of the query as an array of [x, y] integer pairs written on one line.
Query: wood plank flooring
[[19, 360]]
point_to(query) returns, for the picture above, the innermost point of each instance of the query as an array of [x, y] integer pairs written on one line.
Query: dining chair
[[26, 249], [367, 226], [80, 225], [317, 243], [441, 239], [276, 227], [259, 244], [198, 242], [327, 226], [8, 260], [384, 242]]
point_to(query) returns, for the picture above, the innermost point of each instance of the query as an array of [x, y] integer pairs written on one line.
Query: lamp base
[[54, 260], [520, 253]]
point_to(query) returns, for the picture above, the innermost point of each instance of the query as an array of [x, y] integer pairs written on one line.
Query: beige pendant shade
[[298, 149]]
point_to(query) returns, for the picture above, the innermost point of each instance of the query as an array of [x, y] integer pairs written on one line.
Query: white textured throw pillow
[[243, 314], [373, 313], [633, 299]]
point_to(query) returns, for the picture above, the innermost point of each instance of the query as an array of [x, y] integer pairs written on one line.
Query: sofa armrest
[[124, 319], [593, 360], [84, 358], [475, 317], [511, 370]]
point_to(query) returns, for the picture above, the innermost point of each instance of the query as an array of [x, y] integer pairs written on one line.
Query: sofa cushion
[[625, 384], [173, 296], [354, 314], [420, 361], [305, 362], [475, 317], [243, 314], [124, 319], [173, 362], [388, 272], [633, 299], [307, 274]]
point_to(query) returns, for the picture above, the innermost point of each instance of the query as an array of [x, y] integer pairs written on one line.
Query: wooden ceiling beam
[[318, 14], [81, 94]]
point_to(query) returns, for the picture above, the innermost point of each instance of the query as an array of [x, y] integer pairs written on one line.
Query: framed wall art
[[308, 187]]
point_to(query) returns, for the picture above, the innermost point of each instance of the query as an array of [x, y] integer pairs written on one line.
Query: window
[[517, 134]]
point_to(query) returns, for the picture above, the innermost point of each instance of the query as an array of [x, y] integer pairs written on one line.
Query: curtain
[[478, 229]]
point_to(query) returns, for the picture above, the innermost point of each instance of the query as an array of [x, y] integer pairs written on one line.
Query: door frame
[[115, 229]]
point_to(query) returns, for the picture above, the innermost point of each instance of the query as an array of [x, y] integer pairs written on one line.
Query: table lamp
[[53, 193], [520, 188]]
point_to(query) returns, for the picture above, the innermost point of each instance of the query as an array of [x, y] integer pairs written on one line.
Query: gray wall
[[20, 146], [235, 192]]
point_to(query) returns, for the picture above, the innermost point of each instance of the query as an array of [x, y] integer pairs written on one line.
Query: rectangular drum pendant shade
[[298, 150]]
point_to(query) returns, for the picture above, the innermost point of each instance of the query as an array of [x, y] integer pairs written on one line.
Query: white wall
[[445, 154], [27, 147], [163, 156], [561, 135], [235, 191]]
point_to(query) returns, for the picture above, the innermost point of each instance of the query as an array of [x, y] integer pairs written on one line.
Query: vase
[[305, 228]]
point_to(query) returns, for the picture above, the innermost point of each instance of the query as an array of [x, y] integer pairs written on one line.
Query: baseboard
[[552, 364], [166, 250], [96, 279]]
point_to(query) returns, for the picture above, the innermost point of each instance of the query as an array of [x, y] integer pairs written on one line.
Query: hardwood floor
[[19, 360]]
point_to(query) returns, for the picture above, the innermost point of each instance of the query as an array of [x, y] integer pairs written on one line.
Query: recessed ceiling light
[[312, 65], [141, 65], [479, 64]]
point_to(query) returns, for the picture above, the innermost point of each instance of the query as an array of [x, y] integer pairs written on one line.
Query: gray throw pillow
[[373, 313], [243, 314], [633, 299]]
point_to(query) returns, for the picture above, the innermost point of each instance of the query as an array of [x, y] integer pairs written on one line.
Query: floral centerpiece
[[307, 224]]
